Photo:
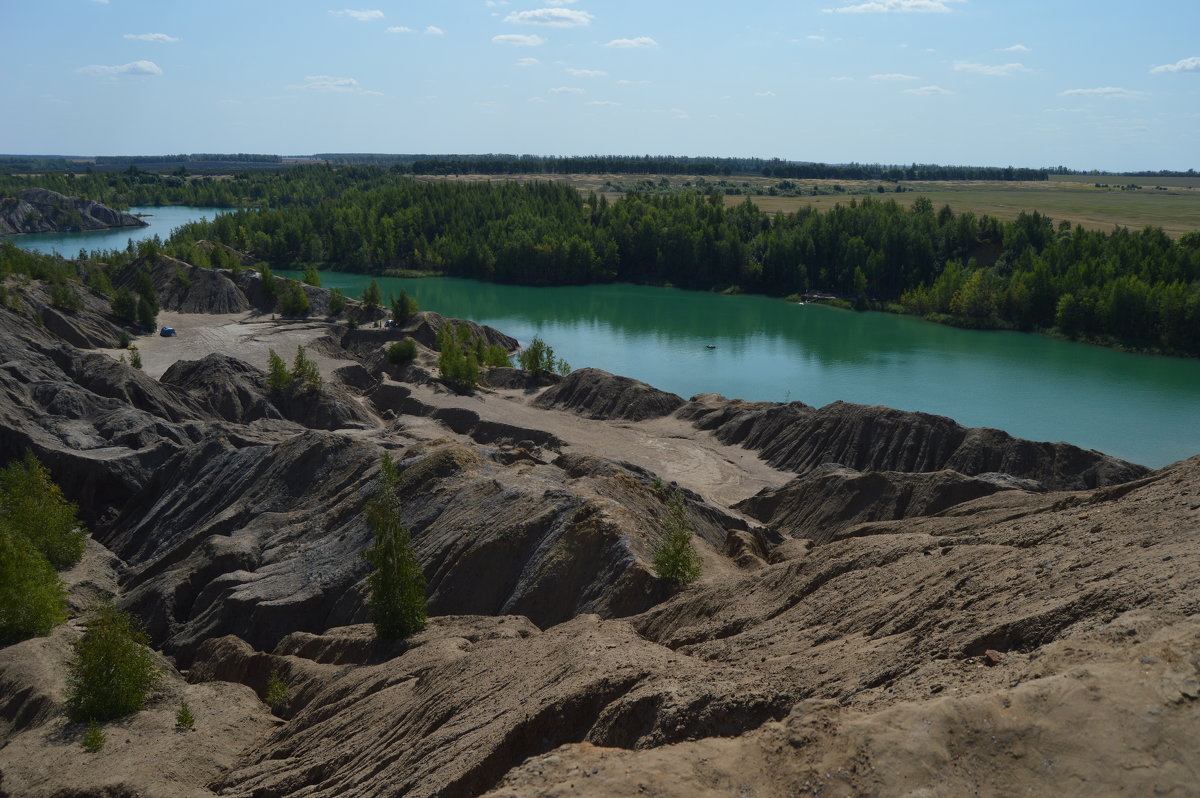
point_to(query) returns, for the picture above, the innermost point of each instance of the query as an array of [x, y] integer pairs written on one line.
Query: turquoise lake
[[1139, 407]]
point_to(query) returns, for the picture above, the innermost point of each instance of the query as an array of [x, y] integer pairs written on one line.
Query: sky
[[1087, 84]]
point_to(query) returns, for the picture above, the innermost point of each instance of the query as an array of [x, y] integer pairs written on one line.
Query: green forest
[[1136, 288]]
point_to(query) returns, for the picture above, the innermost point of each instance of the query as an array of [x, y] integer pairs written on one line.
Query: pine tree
[[675, 559], [397, 600], [278, 376]]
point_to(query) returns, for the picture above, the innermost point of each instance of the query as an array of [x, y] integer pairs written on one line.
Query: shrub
[[32, 599], [306, 371], [337, 302], [135, 357], [278, 376], [125, 305], [93, 738], [397, 599], [112, 671], [403, 308], [402, 351], [457, 360], [539, 359], [277, 692], [35, 508], [293, 301], [312, 276], [184, 718], [493, 355], [675, 559], [63, 296], [371, 295]]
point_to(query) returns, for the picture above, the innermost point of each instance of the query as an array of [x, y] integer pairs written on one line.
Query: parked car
[[168, 332]]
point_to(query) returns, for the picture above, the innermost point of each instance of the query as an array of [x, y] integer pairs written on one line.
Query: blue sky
[[1099, 84]]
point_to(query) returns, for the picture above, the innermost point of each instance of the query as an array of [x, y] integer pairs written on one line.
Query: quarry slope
[[891, 604]]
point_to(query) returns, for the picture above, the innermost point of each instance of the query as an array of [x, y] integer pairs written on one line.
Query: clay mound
[[229, 388], [244, 258], [90, 327], [185, 288], [597, 394], [799, 438], [831, 498], [1016, 738], [476, 695], [423, 328], [39, 210]]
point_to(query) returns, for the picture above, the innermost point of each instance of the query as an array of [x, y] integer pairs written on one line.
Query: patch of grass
[[277, 692], [93, 737]]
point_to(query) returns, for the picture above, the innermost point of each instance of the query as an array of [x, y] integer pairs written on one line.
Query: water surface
[[1138, 407], [161, 220]]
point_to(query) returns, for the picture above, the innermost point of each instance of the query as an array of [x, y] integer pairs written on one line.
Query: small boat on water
[[710, 346]]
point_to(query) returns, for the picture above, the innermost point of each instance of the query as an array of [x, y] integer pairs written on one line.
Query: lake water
[[162, 221], [1139, 407]]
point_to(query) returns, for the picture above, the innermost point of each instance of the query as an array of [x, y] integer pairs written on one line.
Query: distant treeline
[[238, 157], [196, 162], [1137, 286], [674, 165]]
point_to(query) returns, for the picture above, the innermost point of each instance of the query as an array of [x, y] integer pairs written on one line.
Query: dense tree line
[[676, 165], [958, 267]]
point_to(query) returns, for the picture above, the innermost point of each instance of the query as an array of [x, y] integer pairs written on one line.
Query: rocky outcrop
[[832, 498], [799, 438], [597, 394], [39, 210], [184, 288], [424, 327]]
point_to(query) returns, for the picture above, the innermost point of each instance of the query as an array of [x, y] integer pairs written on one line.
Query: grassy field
[[1175, 207]]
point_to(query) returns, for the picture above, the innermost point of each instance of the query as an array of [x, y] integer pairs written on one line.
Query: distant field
[[1071, 197]]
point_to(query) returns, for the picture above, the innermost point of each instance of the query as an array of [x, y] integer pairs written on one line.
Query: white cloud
[[519, 40], [559, 2], [1104, 91], [434, 30], [132, 68], [601, 102], [399, 29], [1016, 48], [624, 82], [495, 3], [842, 78], [536, 100], [637, 41], [764, 94], [815, 37], [1182, 65], [551, 17], [995, 70], [361, 16], [327, 83], [928, 90], [566, 90], [587, 73], [528, 62], [894, 76], [902, 6], [151, 37]]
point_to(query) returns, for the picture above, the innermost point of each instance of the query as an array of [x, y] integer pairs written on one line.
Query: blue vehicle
[[168, 332]]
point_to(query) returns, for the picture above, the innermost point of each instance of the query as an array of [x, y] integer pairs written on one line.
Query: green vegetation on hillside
[[397, 584], [113, 670]]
